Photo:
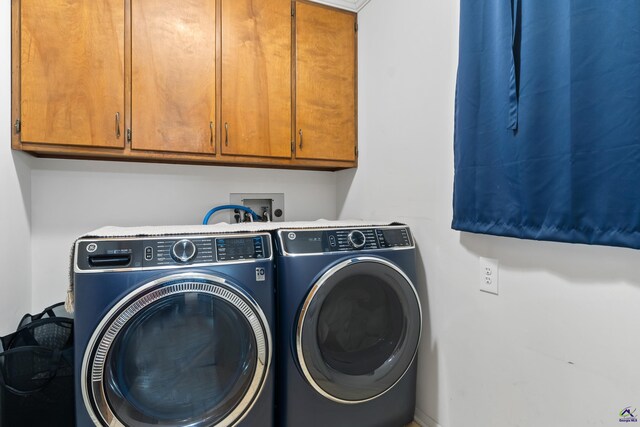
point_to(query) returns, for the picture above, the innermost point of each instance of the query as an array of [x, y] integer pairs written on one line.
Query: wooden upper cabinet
[[235, 82], [72, 72], [256, 78], [173, 84], [325, 83]]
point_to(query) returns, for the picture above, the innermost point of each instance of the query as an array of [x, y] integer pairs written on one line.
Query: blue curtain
[[547, 132]]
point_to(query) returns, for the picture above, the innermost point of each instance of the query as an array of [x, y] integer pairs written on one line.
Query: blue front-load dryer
[[349, 327], [174, 331]]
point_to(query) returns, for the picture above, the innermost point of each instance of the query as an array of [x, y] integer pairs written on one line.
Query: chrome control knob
[[184, 251], [356, 239]]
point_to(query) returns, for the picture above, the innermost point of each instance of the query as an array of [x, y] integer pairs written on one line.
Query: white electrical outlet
[[489, 275]]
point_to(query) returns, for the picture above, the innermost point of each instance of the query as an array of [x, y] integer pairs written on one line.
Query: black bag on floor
[[36, 371]]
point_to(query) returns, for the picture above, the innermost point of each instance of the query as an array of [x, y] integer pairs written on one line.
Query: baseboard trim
[[425, 420]]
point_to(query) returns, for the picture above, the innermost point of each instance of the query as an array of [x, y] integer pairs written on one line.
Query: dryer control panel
[[311, 241], [169, 251]]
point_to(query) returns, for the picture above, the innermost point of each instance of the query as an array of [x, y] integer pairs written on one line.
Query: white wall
[[15, 282], [559, 346], [72, 197]]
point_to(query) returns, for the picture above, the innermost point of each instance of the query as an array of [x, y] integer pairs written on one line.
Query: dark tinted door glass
[[360, 332], [361, 323], [187, 359]]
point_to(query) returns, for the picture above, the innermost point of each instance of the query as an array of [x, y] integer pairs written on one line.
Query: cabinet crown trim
[[351, 5]]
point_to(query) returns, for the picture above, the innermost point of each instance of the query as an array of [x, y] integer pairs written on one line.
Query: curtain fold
[[514, 69], [547, 132]]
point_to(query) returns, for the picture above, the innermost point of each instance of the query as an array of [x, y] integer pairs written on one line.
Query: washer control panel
[[344, 239], [169, 251]]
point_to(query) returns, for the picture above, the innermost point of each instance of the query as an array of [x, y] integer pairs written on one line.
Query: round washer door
[[185, 350], [358, 330]]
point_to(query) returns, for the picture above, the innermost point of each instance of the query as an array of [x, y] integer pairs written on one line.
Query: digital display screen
[[395, 237], [303, 241], [239, 247]]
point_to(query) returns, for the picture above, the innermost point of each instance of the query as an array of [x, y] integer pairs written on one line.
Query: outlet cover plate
[[489, 275]]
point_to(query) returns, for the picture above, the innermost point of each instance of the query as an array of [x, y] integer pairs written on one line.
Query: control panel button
[[356, 239], [183, 251], [148, 253]]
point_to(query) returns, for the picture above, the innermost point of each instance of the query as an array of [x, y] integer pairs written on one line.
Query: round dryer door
[[358, 330], [187, 350]]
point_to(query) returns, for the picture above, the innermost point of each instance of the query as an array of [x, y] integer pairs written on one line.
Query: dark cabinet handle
[[226, 133], [117, 125], [211, 129], [300, 132]]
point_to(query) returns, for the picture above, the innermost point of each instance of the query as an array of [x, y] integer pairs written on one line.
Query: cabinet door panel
[[173, 75], [325, 83], [72, 72], [256, 77]]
